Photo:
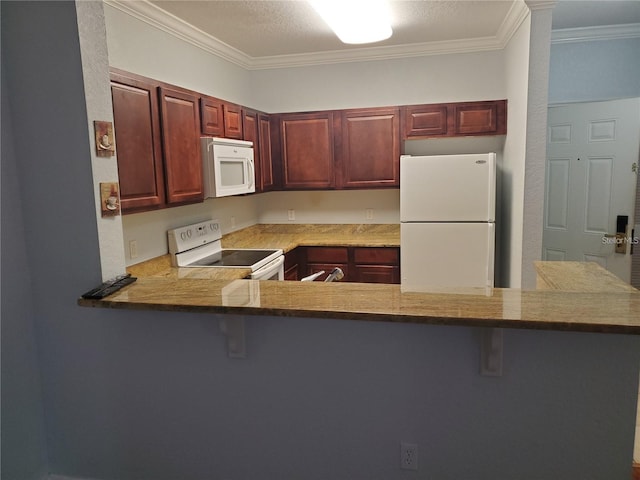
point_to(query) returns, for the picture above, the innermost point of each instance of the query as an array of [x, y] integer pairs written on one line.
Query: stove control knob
[[183, 235], [189, 233], [214, 226]]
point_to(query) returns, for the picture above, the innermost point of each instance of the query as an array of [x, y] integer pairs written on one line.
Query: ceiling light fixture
[[356, 21]]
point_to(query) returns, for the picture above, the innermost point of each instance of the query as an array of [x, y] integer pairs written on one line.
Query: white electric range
[[199, 245]]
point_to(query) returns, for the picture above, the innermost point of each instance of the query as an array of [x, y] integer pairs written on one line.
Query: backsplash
[[148, 230]]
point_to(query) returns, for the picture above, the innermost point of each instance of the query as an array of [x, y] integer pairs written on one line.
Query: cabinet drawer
[[376, 255], [327, 255]]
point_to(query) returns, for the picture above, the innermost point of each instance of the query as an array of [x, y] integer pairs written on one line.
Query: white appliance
[[199, 245], [447, 222], [228, 167]]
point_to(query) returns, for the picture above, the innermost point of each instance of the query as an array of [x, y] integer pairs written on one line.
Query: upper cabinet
[[139, 147], [157, 129], [181, 144], [306, 149], [368, 148], [220, 118], [256, 128], [358, 148], [455, 119]]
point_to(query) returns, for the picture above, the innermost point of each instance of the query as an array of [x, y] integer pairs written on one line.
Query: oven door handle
[[269, 269]]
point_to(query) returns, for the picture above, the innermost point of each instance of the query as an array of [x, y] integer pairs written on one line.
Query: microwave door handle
[[252, 173]]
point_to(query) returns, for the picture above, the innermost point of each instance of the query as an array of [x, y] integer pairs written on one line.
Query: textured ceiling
[[274, 28], [266, 28]]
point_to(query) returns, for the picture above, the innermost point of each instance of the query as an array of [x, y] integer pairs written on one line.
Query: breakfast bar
[[571, 296]]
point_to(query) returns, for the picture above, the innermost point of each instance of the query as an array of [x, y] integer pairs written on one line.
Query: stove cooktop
[[233, 258], [199, 245]]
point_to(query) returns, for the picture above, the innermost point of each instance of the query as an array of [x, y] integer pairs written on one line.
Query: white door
[[592, 158]]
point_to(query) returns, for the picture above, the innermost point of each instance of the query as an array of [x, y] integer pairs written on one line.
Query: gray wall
[[151, 395], [594, 70], [23, 437]]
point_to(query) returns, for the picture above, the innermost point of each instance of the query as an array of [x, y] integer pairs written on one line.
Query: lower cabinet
[[359, 264], [376, 265]]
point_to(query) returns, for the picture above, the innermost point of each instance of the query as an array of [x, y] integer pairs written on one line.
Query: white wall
[[594, 70], [428, 79], [536, 140], [512, 172]]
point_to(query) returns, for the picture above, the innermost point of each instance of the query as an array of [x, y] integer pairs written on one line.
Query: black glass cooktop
[[233, 258]]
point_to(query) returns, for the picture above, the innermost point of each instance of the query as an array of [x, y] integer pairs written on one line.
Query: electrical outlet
[[369, 213], [133, 248], [291, 214], [408, 456]]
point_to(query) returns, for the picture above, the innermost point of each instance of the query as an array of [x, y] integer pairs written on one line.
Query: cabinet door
[[212, 113], [139, 149], [425, 121], [267, 179], [376, 274], [370, 148], [480, 118], [307, 150], [232, 121], [250, 134], [181, 142], [376, 265], [292, 264], [327, 258]]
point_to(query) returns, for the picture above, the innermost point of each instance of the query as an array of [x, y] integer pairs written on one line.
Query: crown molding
[[158, 18], [162, 20], [605, 32], [512, 21], [540, 4]]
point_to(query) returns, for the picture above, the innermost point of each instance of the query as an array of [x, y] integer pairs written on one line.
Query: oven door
[[273, 270]]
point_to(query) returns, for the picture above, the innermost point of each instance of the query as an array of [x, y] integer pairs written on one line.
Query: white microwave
[[228, 167]]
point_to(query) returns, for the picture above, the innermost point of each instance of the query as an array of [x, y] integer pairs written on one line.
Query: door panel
[[591, 149]]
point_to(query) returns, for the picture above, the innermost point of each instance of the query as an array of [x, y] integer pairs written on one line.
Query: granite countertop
[[286, 237], [573, 296]]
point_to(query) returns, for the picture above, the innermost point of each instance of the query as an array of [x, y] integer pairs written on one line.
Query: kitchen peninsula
[[571, 296]]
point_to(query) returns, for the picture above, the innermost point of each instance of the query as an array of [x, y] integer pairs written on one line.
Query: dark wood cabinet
[[368, 148], [250, 134], [139, 148], [267, 177], [425, 120], [359, 264], [232, 121], [455, 119], [326, 259], [306, 149], [220, 118], [212, 112], [480, 118], [181, 144], [157, 131], [257, 129], [292, 264], [376, 265]]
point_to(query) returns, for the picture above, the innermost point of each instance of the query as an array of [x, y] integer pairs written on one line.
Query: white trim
[[158, 18], [605, 32]]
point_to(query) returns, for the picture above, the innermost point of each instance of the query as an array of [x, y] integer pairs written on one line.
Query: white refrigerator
[[447, 222]]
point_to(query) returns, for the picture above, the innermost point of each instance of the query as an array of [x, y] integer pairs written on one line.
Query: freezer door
[[439, 255], [448, 188]]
